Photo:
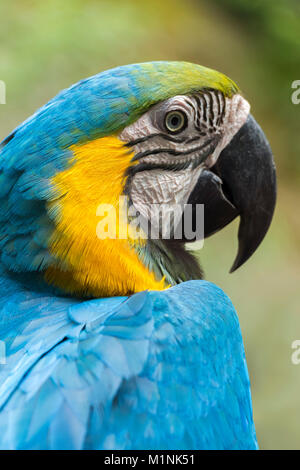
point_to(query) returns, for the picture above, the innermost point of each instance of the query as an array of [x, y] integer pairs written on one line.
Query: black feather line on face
[[211, 110], [173, 152], [163, 136], [223, 108]]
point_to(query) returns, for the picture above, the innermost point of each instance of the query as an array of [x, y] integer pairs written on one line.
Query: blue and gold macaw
[[116, 342]]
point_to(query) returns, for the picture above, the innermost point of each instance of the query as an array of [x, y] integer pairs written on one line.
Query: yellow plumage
[[87, 265]]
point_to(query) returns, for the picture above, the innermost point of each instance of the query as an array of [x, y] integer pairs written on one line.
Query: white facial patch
[[167, 165], [150, 188], [236, 113]]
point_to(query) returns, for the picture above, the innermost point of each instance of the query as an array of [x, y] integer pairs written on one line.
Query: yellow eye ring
[[175, 121]]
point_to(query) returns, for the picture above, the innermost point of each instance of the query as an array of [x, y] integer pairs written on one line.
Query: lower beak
[[242, 182]]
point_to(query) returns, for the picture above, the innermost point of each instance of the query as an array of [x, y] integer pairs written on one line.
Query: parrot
[[118, 342]]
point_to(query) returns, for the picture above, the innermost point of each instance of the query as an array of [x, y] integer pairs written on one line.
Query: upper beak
[[242, 182]]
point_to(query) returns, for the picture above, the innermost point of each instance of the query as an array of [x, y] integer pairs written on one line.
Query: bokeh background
[[47, 46]]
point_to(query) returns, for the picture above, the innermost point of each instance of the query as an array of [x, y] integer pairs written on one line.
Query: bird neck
[[95, 252], [86, 264], [170, 260]]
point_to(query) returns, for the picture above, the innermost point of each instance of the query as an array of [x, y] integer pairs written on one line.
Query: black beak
[[243, 182]]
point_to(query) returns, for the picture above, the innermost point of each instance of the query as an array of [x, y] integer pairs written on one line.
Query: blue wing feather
[[158, 370]]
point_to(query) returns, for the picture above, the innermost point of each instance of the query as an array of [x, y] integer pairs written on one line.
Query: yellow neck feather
[[85, 264]]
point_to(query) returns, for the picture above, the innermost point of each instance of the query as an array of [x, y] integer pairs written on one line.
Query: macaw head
[[139, 140]]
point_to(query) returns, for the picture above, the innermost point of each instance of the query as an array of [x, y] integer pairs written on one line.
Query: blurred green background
[[47, 46]]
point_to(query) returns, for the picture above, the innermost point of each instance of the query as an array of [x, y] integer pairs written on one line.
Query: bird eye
[[175, 121]]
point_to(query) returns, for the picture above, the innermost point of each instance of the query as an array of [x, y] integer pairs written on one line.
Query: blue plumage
[[158, 370]]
